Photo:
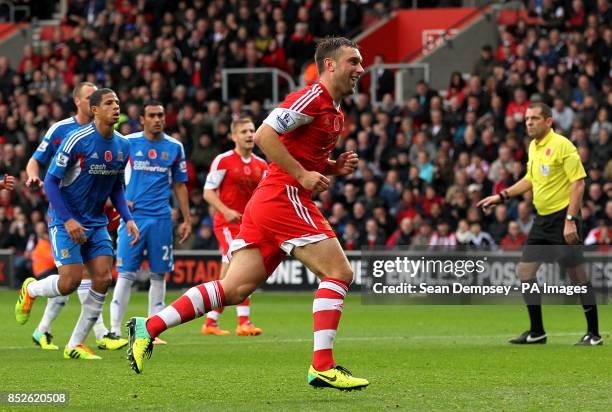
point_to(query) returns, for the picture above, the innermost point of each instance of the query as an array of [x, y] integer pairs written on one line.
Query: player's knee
[[68, 284], [344, 274], [235, 294], [102, 281]]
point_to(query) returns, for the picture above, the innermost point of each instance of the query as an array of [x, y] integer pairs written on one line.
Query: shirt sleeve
[[298, 109], [179, 166], [215, 175], [572, 164], [64, 158], [46, 149]]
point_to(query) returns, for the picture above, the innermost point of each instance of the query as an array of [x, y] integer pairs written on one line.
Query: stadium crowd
[[424, 164]]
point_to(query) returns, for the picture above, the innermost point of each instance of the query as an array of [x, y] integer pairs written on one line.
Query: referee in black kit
[[556, 176]]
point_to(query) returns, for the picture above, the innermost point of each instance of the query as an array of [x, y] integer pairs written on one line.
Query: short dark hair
[[544, 109], [150, 103], [78, 87], [96, 97], [328, 47]]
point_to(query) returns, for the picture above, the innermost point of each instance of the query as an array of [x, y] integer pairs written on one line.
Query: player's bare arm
[[516, 189], [132, 230], [33, 172], [180, 189], [269, 142], [570, 231], [212, 197]]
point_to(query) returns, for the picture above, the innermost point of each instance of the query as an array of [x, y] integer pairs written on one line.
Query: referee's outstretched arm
[[520, 187]]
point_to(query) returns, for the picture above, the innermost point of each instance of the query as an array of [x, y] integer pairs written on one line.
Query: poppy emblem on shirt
[[247, 170], [336, 123], [152, 154], [108, 156], [165, 155], [548, 152]]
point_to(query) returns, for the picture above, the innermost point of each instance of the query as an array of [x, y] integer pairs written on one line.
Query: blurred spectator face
[[41, 230], [595, 191], [350, 230], [413, 173], [371, 227], [338, 211], [370, 189], [475, 228], [406, 225], [473, 215], [358, 210], [422, 157], [513, 229], [524, 210], [463, 226], [501, 213]]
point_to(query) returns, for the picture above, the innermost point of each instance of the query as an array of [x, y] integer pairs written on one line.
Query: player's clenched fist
[[314, 181], [75, 231], [346, 163], [132, 230], [8, 182]]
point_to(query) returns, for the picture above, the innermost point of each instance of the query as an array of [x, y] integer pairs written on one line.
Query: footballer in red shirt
[[232, 178], [281, 218]]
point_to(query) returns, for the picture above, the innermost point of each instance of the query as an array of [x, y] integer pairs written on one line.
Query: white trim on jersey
[[71, 175], [300, 209], [288, 245], [304, 100], [215, 176], [55, 125], [286, 120], [173, 140], [134, 135], [72, 140]]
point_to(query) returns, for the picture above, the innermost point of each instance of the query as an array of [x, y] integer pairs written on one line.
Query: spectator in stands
[[514, 240], [483, 67], [480, 240]]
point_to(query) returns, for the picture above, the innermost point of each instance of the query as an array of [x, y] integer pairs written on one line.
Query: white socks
[[91, 310], [52, 310], [121, 297], [83, 292], [46, 287], [157, 293]]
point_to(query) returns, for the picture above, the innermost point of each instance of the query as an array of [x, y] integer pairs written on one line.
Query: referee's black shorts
[[545, 242]]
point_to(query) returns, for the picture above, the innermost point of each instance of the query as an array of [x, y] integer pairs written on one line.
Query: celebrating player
[[281, 217], [233, 177], [42, 156], [156, 164], [86, 170]]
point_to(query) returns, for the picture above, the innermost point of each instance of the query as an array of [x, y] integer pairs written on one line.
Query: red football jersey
[[309, 124], [235, 178]]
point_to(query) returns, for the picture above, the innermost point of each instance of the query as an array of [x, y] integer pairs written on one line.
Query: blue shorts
[[66, 251], [155, 238]]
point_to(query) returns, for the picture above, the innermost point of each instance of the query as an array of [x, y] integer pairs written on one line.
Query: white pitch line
[[252, 340]]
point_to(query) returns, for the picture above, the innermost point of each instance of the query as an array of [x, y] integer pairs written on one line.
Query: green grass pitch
[[416, 358]]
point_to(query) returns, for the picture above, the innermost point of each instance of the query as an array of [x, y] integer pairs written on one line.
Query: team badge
[[120, 156], [327, 122], [152, 154], [336, 123], [119, 261], [545, 170], [108, 156], [165, 155], [65, 253], [247, 170]]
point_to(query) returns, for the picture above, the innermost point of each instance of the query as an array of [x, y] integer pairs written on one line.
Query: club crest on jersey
[[247, 170], [336, 123], [152, 154], [65, 253], [165, 155], [120, 156]]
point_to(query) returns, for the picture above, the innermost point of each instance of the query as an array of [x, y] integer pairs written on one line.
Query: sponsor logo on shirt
[[139, 153], [62, 160], [98, 169], [145, 166], [94, 155]]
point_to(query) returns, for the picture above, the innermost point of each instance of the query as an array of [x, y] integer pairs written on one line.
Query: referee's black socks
[[533, 299], [589, 305]]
